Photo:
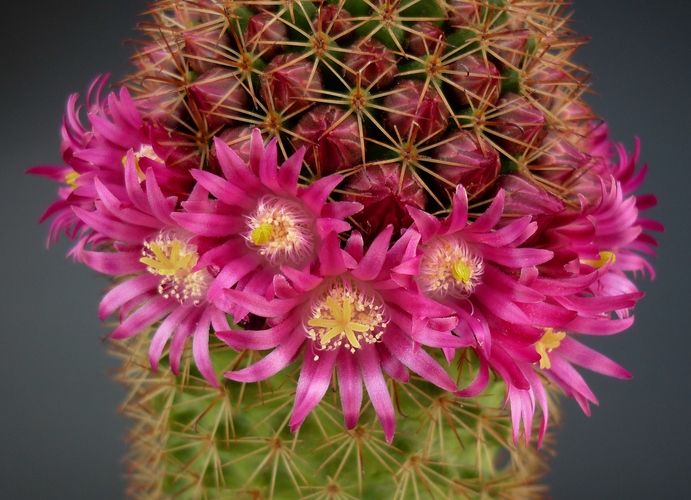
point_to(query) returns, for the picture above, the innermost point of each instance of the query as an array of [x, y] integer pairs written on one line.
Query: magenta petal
[[212, 225], [259, 340], [274, 362], [161, 207], [478, 385], [126, 291], [182, 333], [315, 378], [377, 389], [260, 306], [227, 192], [331, 258], [144, 317], [163, 333], [601, 326], [426, 224], [315, 196], [491, 216], [349, 387], [417, 360], [268, 166], [458, 219], [575, 352], [200, 349], [392, 366], [371, 264], [289, 173], [113, 263], [115, 230]]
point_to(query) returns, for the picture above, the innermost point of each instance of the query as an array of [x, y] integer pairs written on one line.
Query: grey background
[[60, 436]]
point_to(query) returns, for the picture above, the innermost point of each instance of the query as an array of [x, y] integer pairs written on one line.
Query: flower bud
[[203, 49], [332, 143], [335, 22], [266, 35], [462, 13], [238, 139], [372, 63], [415, 113], [509, 47], [219, 95], [475, 81], [385, 197], [518, 123], [545, 85], [560, 158], [465, 159], [291, 82], [425, 38]]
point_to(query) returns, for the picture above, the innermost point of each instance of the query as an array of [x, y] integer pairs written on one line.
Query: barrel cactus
[[354, 244]]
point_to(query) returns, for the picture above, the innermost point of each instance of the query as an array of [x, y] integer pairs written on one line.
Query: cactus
[[300, 199]]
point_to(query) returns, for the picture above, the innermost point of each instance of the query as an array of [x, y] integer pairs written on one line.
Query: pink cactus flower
[[353, 313], [260, 219], [156, 263]]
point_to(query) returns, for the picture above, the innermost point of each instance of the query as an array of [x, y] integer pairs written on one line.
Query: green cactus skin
[[190, 440]]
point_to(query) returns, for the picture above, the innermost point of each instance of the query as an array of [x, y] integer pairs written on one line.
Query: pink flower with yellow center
[[352, 313], [156, 264], [260, 219], [98, 150]]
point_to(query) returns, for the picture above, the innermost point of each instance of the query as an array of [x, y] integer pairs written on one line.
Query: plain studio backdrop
[[61, 435]]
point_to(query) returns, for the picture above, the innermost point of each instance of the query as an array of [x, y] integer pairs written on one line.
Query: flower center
[[605, 257], [550, 340], [449, 267], [281, 231], [345, 314], [173, 259]]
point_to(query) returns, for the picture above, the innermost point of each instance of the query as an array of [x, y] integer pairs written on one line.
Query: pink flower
[[472, 268], [156, 264], [115, 126], [353, 313], [260, 219]]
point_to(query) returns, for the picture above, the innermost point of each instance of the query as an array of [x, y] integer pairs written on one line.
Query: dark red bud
[[518, 123], [335, 22], [291, 82], [332, 142], [425, 39], [414, 112], [475, 81], [265, 35], [370, 62], [220, 97]]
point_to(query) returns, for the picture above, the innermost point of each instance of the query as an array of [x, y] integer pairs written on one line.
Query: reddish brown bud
[[468, 161], [462, 13], [155, 60], [372, 63], [265, 35], [509, 47], [475, 81], [291, 82], [415, 113], [162, 104], [335, 22], [518, 124], [220, 97], [385, 197], [425, 38], [204, 48], [331, 142], [545, 85]]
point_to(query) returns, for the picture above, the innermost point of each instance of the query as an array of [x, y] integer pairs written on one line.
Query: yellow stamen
[[449, 266], [550, 340], [605, 257]]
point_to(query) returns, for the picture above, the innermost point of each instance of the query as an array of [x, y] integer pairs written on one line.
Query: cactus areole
[[355, 245]]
